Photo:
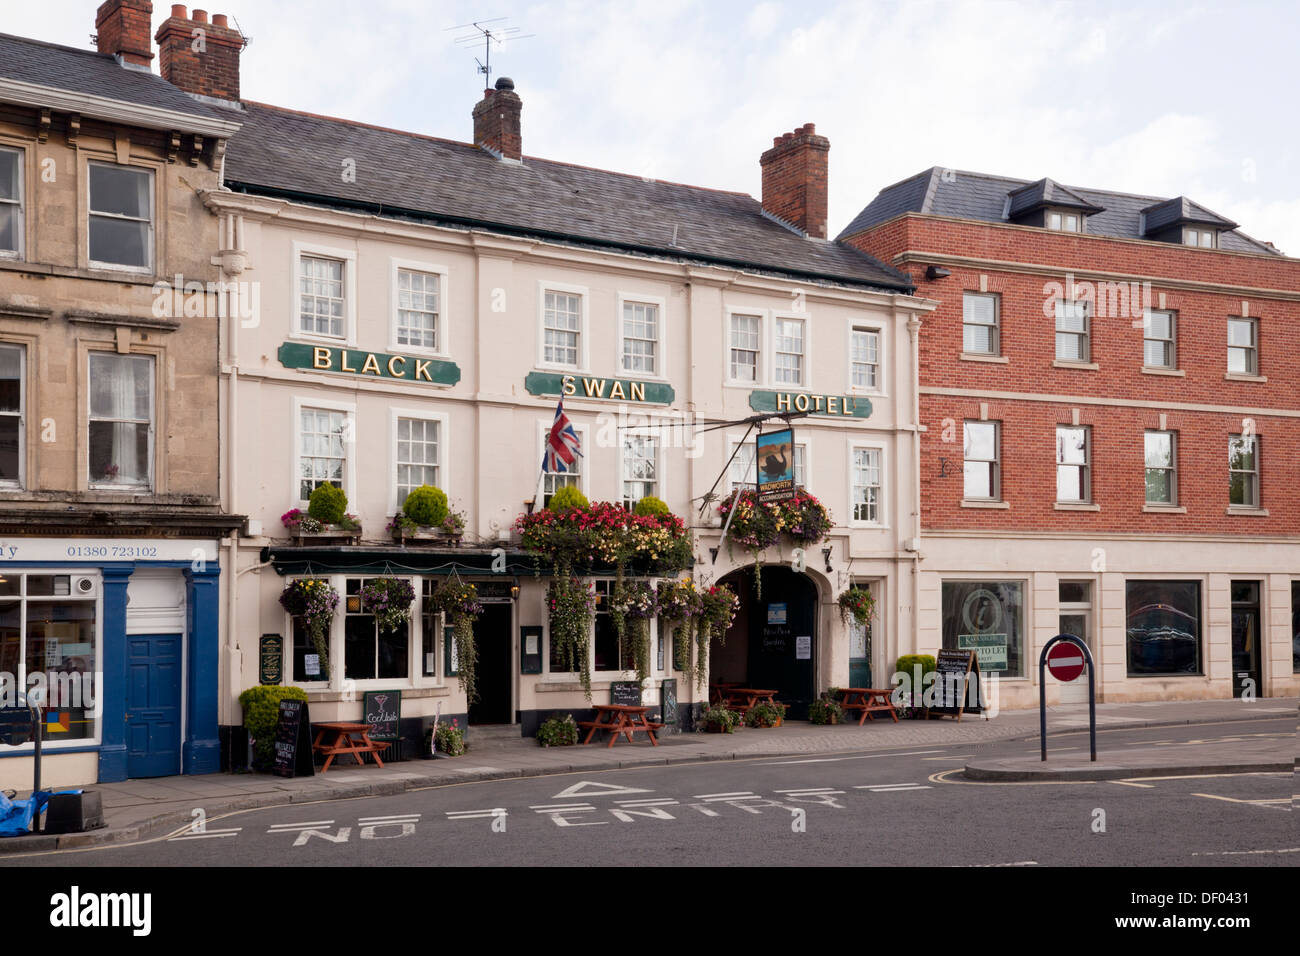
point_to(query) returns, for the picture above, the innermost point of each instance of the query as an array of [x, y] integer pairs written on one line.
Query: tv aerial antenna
[[487, 32]]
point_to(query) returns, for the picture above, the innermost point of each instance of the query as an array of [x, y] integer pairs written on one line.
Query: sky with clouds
[[1160, 98]]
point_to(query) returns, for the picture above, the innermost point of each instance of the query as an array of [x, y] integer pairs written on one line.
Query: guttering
[[382, 210], [118, 111]]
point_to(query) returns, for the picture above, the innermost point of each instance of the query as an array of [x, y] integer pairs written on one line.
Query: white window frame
[[151, 243], [1198, 236], [1086, 333], [1252, 350], [1058, 220], [349, 259], [1254, 503], [20, 225], [154, 414], [805, 322], [1172, 469], [584, 326], [1172, 340], [996, 325], [444, 435], [544, 429], [881, 499], [396, 266], [733, 440], [653, 435], [661, 348], [760, 371], [1085, 469], [349, 448], [879, 332], [996, 476], [21, 481]]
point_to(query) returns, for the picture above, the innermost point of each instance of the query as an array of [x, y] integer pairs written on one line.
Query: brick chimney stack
[[122, 29], [198, 56], [497, 120], [794, 179]]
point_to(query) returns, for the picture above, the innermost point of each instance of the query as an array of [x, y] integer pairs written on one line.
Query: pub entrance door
[[495, 677]]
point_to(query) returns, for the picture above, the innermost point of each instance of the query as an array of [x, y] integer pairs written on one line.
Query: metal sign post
[[1066, 667]]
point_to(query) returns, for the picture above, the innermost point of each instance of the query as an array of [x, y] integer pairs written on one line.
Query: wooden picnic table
[[869, 700], [349, 738], [743, 698], [620, 719], [716, 691]]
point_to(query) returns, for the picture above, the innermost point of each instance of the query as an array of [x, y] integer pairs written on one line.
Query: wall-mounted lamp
[[936, 272], [514, 590], [713, 555], [826, 553]]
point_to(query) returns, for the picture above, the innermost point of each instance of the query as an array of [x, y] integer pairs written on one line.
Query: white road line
[[1292, 849], [557, 806], [207, 835], [1265, 804], [300, 826], [395, 817], [810, 790], [906, 753], [473, 814], [1133, 783], [987, 865], [880, 788], [949, 757], [737, 793], [645, 803], [733, 798]]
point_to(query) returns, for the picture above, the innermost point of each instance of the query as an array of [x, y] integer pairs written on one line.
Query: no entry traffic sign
[[1065, 661]]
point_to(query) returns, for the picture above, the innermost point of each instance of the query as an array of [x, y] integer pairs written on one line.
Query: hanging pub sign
[[774, 462]]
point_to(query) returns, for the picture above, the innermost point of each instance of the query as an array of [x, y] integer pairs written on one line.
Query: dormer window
[[1205, 238], [1065, 221]]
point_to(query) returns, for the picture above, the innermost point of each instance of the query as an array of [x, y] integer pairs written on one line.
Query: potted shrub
[[261, 716], [449, 739], [825, 710], [558, 732], [426, 516], [719, 720], [766, 714], [326, 519]]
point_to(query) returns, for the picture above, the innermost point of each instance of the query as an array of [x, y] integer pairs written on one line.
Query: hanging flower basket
[[718, 611], [634, 603], [459, 602], [757, 525], [857, 604], [389, 600], [571, 605], [608, 535], [680, 607], [314, 601]]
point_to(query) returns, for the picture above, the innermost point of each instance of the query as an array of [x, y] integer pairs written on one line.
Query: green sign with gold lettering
[[589, 386], [402, 368], [835, 406]]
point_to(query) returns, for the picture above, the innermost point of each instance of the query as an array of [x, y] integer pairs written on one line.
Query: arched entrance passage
[[773, 641]]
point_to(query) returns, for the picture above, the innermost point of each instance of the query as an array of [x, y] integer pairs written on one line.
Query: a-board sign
[[669, 697], [382, 710], [625, 692], [270, 659], [293, 741], [530, 649], [956, 683]]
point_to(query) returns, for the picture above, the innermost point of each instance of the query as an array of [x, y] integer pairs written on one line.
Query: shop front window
[[1164, 627], [49, 643], [368, 652], [988, 618]]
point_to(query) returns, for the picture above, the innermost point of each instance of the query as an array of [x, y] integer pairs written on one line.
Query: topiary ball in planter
[[568, 498], [651, 507], [426, 506], [328, 504]]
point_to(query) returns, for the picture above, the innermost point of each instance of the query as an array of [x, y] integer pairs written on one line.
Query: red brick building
[[1111, 396]]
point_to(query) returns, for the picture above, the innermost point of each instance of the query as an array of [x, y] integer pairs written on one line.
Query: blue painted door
[[153, 705]]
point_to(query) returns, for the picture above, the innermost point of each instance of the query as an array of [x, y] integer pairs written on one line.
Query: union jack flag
[[563, 447]]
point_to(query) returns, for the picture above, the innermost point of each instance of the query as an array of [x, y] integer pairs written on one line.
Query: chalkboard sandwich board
[[382, 710], [293, 741], [626, 693], [955, 673], [669, 697]]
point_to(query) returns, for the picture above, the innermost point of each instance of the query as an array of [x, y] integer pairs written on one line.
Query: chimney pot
[[505, 83], [200, 16], [219, 20], [179, 11], [794, 179]]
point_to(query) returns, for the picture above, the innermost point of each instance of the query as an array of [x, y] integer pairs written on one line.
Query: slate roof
[[966, 195], [298, 156], [95, 74]]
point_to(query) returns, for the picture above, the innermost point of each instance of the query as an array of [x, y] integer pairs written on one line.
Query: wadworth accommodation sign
[[323, 358]]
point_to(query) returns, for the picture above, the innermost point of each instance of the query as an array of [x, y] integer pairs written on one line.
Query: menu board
[[530, 649], [293, 741], [955, 671], [625, 692], [669, 698], [270, 658], [383, 711]]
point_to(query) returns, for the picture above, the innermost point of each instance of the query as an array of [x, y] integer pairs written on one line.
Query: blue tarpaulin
[[16, 815]]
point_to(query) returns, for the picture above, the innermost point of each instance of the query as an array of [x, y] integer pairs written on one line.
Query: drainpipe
[[914, 339]]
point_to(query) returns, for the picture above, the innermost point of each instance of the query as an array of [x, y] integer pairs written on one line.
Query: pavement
[[136, 809]]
